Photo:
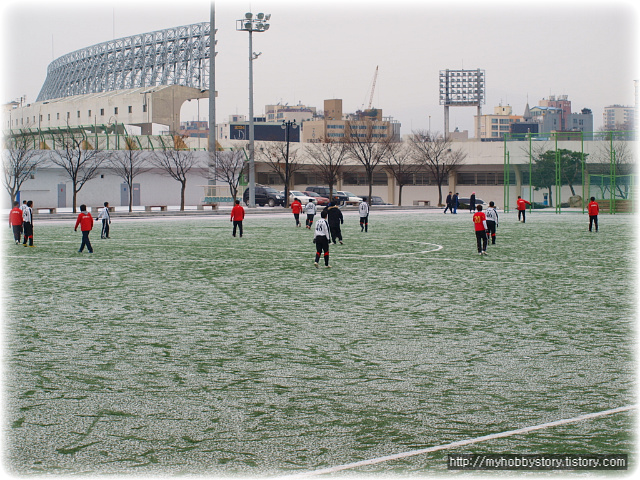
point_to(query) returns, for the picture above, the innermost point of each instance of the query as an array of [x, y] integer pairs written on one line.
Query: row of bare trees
[[82, 161], [423, 152]]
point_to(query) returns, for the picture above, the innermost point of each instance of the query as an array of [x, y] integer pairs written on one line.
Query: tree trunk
[[182, 189], [550, 197], [400, 195], [130, 199]]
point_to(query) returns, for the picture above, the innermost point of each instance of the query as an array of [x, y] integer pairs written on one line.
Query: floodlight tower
[[252, 24], [461, 88]]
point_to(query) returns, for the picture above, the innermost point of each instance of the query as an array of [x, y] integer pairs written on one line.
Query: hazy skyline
[[320, 50]]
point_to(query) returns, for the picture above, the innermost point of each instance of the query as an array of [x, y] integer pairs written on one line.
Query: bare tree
[[77, 157], [366, 149], [228, 168], [128, 164], [434, 152], [401, 164], [19, 161], [328, 157], [614, 157], [176, 161], [274, 154]]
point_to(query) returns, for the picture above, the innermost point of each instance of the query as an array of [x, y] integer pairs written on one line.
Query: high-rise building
[[619, 117]]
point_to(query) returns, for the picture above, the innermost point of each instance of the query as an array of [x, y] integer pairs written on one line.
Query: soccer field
[[176, 348]]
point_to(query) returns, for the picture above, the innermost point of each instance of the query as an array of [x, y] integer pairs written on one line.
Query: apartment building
[[495, 126], [619, 117], [339, 127]]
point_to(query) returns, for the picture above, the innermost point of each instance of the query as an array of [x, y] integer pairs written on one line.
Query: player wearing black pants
[[321, 239], [335, 218], [27, 223], [492, 221]]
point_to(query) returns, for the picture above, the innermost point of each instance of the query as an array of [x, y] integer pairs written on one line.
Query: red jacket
[[480, 221], [522, 204], [85, 220], [296, 206], [15, 216], [593, 208], [237, 213]]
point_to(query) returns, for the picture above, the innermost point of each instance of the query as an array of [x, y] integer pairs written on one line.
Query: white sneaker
[[315, 264], [327, 266]]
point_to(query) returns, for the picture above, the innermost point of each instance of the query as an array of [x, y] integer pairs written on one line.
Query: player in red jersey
[[85, 220], [237, 215], [296, 208], [522, 207], [15, 221], [593, 209], [480, 224]]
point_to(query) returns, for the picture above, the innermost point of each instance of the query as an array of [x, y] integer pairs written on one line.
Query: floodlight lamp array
[[251, 23], [462, 87]]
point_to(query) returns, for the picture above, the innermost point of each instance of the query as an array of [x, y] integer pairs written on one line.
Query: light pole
[[252, 24], [286, 125]]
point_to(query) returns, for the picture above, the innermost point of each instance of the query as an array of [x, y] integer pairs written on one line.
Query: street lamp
[[286, 125], [251, 23]]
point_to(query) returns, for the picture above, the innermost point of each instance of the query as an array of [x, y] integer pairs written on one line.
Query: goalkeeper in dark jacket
[[335, 219]]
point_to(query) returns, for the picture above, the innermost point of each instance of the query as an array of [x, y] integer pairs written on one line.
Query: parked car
[[464, 203], [324, 191], [375, 200], [304, 199], [320, 200], [352, 198], [265, 196], [339, 198]]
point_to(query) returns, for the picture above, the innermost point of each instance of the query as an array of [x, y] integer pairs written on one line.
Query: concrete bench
[[163, 208], [214, 206], [51, 209], [426, 203], [95, 210]]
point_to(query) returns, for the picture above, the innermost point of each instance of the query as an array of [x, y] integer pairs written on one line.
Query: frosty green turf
[[176, 348]]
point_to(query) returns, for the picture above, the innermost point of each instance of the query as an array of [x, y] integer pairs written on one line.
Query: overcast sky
[[316, 50]]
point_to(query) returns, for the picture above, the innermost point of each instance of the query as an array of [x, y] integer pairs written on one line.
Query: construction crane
[[373, 88]]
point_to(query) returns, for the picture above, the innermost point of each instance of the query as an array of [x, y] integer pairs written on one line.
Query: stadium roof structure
[[175, 56]]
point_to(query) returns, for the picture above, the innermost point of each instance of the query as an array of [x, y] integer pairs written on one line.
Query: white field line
[[460, 443], [336, 254]]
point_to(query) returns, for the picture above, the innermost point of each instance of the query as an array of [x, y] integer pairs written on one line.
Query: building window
[[89, 114], [423, 178], [130, 109], [115, 111], [68, 115], [78, 113], [102, 112], [379, 178], [144, 108], [266, 178], [48, 117], [58, 116]]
